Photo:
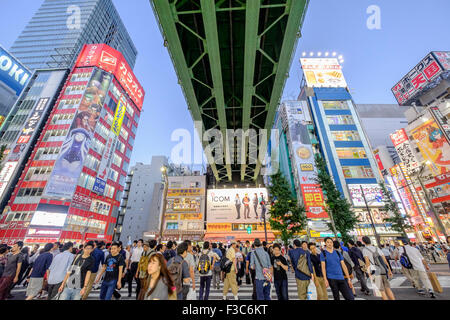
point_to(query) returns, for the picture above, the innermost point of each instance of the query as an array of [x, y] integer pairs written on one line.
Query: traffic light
[[249, 229]]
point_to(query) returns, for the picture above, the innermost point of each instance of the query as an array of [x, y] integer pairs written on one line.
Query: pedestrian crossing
[[245, 290]]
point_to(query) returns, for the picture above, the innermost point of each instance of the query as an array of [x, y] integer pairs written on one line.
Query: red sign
[[379, 162], [399, 137], [439, 180], [313, 201], [111, 60]]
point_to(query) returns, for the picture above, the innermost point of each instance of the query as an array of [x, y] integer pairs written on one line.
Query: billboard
[[111, 60], [444, 58], [433, 146], [12, 73], [323, 72], [417, 79], [67, 169], [49, 215], [313, 201], [404, 150], [372, 193], [6, 174], [236, 205]]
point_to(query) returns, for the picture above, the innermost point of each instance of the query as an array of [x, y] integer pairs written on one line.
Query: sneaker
[[432, 295], [422, 292]]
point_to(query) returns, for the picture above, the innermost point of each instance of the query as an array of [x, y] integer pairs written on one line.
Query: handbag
[[192, 295], [266, 272]]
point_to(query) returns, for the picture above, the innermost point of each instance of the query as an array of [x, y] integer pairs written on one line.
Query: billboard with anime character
[[433, 146], [66, 172]]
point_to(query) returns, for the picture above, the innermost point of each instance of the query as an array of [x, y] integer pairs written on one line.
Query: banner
[[49, 215], [236, 205], [323, 72], [433, 146], [404, 151], [313, 201], [64, 177], [372, 193], [6, 174], [191, 192], [13, 73]]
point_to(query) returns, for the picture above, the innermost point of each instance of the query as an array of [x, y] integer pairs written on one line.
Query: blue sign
[[99, 186], [13, 73]]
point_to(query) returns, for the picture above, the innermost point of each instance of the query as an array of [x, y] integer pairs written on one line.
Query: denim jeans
[[262, 292], [107, 289], [205, 285], [281, 287], [70, 294]]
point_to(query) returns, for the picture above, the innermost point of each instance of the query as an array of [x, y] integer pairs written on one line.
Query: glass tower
[[59, 29]]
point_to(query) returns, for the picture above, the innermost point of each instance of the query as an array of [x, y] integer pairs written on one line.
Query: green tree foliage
[[343, 219], [398, 223], [286, 215]]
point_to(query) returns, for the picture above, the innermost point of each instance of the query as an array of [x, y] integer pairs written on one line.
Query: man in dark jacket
[[355, 255], [301, 278]]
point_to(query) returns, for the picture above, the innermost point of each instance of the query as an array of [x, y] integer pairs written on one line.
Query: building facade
[[137, 202], [72, 184], [55, 35]]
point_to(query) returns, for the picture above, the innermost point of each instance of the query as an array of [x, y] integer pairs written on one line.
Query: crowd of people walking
[[168, 271]]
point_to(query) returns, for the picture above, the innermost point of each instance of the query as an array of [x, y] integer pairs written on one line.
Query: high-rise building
[[137, 200], [57, 32], [72, 184]]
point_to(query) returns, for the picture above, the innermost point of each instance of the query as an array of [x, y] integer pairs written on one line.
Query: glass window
[[351, 153], [345, 136], [335, 105], [340, 120], [355, 172]]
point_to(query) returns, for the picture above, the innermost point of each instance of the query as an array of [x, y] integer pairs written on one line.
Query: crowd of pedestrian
[[167, 271]]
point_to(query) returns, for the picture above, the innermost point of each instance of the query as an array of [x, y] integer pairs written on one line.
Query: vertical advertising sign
[[6, 174], [433, 146], [313, 201], [105, 163], [404, 151], [64, 177]]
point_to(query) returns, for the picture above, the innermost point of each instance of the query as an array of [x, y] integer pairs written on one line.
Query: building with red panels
[[71, 187]]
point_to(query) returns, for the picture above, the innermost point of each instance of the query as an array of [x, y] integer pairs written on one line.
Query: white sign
[[48, 219], [325, 72], [43, 232], [372, 193], [236, 205], [6, 174]]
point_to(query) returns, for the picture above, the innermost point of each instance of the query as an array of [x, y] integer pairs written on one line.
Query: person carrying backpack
[[141, 272], [179, 270], [205, 265], [335, 272], [301, 263], [378, 269], [360, 266]]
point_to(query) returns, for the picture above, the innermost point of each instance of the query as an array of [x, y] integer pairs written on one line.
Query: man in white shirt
[[136, 254], [418, 271], [191, 262], [378, 273]]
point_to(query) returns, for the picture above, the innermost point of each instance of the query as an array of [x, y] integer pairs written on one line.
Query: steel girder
[[232, 59]]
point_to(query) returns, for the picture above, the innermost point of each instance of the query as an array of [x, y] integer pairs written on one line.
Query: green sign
[[249, 229]]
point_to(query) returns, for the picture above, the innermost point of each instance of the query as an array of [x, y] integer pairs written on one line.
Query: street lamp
[[430, 204]]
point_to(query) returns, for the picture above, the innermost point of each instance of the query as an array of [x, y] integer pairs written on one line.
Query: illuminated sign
[[12, 73], [49, 215], [313, 201], [111, 60], [6, 174], [325, 72], [372, 193]]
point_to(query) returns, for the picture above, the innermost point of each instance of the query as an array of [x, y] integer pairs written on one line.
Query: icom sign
[[12, 72]]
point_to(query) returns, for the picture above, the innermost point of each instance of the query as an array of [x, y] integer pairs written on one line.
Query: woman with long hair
[[160, 285]]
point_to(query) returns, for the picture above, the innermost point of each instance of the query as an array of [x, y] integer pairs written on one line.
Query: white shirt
[[136, 254], [190, 260], [415, 257], [386, 252], [368, 251]]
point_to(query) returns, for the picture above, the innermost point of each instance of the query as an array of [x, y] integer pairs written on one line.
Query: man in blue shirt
[[40, 267], [260, 260], [251, 271], [301, 278], [332, 266], [216, 268], [99, 258]]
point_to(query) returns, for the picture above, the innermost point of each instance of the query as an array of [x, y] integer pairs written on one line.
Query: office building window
[[351, 153], [335, 105], [345, 136], [340, 120]]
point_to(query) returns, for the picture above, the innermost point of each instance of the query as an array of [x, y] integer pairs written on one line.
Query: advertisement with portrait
[[404, 150], [313, 201], [68, 166], [372, 193], [433, 146], [323, 72], [378, 216], [100, 207], [237, 205], [183, 205]]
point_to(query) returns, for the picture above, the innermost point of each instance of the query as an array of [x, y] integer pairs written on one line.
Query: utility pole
[[166, 186], [377, 236]]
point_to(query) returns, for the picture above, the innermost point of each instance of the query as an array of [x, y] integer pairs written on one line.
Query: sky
[[374, 60]]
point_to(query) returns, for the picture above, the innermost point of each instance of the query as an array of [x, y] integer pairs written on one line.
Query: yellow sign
[[185, 192], [118, 117], [191, 216], [218, 227]]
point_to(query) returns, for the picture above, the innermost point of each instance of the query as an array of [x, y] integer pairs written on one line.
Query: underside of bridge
[[232, 59]]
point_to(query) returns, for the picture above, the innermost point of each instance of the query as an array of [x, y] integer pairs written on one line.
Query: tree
[[2, 154], [343, 219], [397, 221], [286, 215]]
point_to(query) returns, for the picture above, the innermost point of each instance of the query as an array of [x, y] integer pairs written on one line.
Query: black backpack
[[225, 264]]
